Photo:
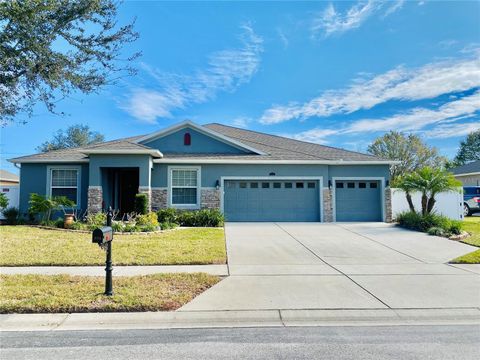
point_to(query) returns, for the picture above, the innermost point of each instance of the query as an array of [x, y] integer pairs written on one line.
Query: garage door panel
[[271, 201], [358, 200]]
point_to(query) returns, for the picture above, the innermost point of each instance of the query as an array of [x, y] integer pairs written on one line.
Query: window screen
[[64, 182], [184, 186]]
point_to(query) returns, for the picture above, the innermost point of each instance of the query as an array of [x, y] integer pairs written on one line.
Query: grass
[[472, 226], [28, 246], [64, 293]]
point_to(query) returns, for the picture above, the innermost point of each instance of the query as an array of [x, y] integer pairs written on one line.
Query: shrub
[[430, 223], [3, 201], [40, 204], [148, 227], [150, 219], [141, 204], [59, 223], [77, 225], [186, 218], [117, 226], [456, 227], [11, 215], [209, 217], [436, 231], [167, 216], [49, 223], [96, 219], [167, 225], [130, 228]]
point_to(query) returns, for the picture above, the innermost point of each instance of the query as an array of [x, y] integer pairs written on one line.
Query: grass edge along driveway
[[67, 294], [472, 226], [29, 246]]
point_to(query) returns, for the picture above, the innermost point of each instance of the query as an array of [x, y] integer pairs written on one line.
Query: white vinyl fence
[[449, 204], [13, 193]]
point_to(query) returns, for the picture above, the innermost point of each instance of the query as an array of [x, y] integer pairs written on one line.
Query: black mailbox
[[102, 235]]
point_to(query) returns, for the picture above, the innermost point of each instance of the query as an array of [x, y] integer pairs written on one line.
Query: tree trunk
[[430, 204], [424, 204], [410, 202]]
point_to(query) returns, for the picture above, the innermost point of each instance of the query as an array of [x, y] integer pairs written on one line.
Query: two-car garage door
[[299, 200], [265, 200]]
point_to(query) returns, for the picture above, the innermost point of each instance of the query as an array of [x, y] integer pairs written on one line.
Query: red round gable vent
[[187, 139]]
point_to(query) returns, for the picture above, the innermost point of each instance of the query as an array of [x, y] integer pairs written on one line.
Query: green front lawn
[[64, 293], [472, 226], [28, 246]]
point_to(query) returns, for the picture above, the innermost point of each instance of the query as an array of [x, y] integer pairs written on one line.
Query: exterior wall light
[[272, 174], [330, 184], [217, 185]]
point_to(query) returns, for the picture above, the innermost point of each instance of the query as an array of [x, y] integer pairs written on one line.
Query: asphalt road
[[372, 342]]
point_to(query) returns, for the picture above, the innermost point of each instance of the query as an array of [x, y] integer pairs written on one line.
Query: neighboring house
[[250, 176], [468, 174], [8, 179]]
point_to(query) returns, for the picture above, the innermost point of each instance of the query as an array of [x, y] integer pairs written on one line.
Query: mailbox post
[[103, 237]]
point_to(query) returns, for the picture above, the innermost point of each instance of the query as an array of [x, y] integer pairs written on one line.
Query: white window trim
[[198, 169], [79, 183], [358, 178]]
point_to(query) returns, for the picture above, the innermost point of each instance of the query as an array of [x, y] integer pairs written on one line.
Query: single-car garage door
[[265, 200], [358, 200]]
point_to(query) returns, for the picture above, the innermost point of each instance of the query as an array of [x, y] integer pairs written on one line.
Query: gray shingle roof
[[275, 148], [8, 176], [469, 168]]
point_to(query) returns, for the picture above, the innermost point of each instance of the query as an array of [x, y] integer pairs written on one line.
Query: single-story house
[[248, 175], [8, 179], [468, 174]]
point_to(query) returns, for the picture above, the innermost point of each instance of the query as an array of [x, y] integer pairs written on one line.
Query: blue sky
[[337, 73]]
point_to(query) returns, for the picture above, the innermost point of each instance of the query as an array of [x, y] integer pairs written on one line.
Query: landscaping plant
[[141, 204], [44, 205], [3, 201], [432, 223], [11, 215]]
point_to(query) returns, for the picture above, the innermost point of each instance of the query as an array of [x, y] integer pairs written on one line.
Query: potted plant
[[63, 203]]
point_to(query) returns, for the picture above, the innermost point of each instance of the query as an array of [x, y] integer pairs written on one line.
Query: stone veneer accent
[[159, 198], [209, 198], [327, 205], [147, 190], [388, 205], [95, 199]]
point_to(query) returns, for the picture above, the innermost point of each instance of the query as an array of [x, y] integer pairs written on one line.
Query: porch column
[[327, 205], [145, 180], [95, 199]]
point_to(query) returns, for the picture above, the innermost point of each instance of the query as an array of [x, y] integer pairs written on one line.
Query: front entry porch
[[120, 187]]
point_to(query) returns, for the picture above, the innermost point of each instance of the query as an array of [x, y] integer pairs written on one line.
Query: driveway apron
[[285, 266]]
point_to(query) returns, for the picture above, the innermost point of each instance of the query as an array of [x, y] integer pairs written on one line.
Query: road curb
[[232, 319]]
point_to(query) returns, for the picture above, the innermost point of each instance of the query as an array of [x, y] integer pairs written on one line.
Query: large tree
[[51, 48], [469, 149], [73, 136], [410, 150]]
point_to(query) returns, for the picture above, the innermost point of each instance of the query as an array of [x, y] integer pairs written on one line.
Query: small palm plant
[[429, 182], [40, 204]]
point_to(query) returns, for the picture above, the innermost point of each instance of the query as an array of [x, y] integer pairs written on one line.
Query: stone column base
[[327, 205], [95, 199], [388, 205], [159, 198], [210, 198]]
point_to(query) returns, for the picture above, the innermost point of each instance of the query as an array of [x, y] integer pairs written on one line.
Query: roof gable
[[203, 140]]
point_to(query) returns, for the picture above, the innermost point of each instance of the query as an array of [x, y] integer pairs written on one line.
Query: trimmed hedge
[[431, 223], [141, 204], [191, 218]]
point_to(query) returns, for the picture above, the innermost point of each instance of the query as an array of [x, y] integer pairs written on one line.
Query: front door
[[128, 188]]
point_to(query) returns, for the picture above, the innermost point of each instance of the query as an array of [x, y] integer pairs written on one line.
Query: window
[[299, 185], [243, 185], [288, 185], [362, 185], [265, 185], [373, 185], [254, 185], [64, 182], [339, 185], [277, 185], [184, 184], [230, 184], [311, 185], [351, 185], [187, 139]]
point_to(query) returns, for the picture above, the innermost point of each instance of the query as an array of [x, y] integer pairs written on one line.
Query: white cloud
[[418, 118], [316, 135], [331, 21], [241, 122], [453, 130], [226, 71], [427, 82], [283, 38]]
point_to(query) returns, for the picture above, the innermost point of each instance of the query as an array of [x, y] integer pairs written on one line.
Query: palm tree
[[405, 183], [429, 182]]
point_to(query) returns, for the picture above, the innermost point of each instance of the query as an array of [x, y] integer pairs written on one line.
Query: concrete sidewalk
[[229, 319], [219, 270]]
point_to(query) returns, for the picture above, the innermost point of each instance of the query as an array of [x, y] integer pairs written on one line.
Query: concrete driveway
[[339, 266]]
